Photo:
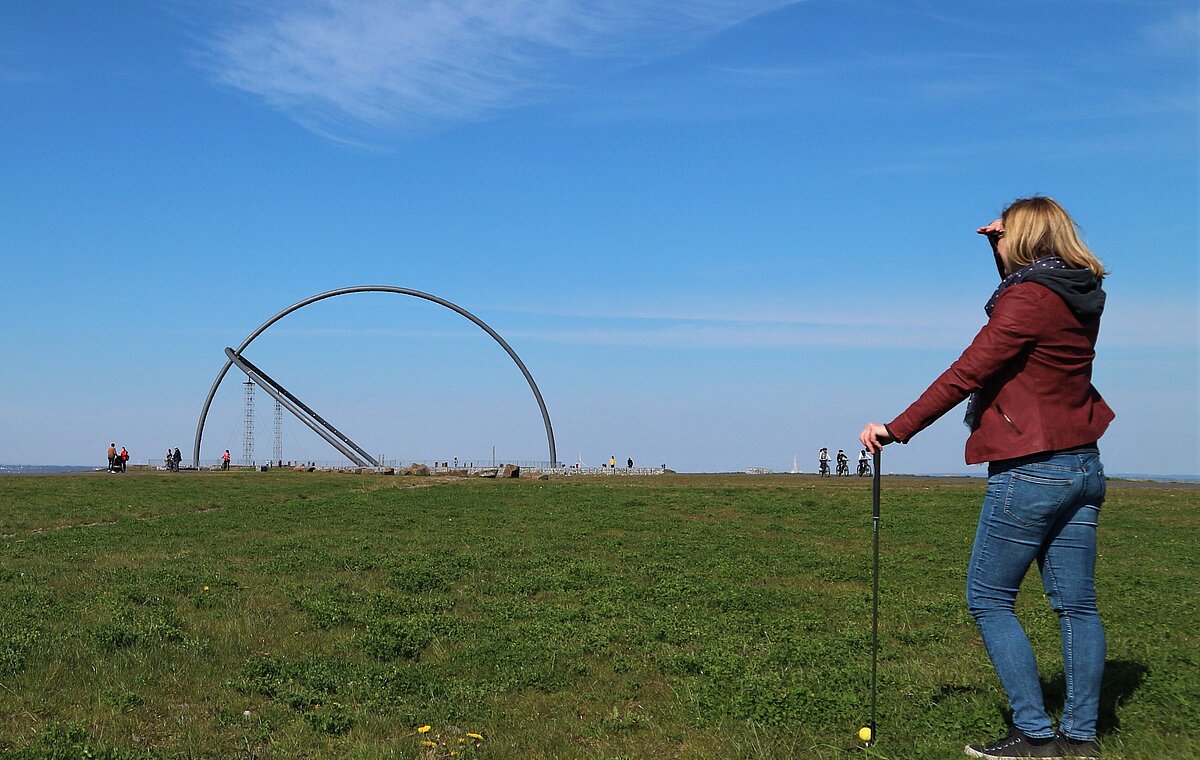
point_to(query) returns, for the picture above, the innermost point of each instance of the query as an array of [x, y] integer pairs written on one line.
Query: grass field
[[289, 615]]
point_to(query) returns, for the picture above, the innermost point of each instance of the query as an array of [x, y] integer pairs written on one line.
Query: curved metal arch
[[375, 289]]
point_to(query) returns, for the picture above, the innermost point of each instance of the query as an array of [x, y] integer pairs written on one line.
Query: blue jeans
[[1044, 510]]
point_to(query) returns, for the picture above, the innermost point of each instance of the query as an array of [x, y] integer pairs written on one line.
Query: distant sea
[[43, 469], [1113, 475]]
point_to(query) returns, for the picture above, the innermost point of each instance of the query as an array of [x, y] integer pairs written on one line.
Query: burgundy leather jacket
[[1031, 365]]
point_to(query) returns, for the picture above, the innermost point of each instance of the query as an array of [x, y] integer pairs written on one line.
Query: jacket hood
[[1079, 289]]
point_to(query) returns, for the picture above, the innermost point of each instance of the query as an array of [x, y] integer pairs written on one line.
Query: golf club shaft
[[874, 592]]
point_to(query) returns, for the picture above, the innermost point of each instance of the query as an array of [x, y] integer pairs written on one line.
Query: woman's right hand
[[995, 226], [875, 436]]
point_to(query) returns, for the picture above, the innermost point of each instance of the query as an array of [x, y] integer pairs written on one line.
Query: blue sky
[[719, 234]]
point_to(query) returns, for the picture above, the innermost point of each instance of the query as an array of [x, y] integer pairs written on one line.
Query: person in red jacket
[[1036, 419]]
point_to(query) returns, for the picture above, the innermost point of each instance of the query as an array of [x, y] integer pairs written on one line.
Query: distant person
[[177, 458], [169, 459], [612, 462], [864, 464], [123, 457], [1035, 418], [843, 463], [629, 463], [823, 462], [112, 456], [225, 460]]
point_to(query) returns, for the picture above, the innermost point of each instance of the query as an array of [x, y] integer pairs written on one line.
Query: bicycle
[[824, 471], [864, 468]]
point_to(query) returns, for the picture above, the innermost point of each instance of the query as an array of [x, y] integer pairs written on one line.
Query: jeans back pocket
[[1033, 499]]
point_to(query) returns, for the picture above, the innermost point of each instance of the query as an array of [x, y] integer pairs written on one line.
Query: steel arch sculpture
[[374, 289]]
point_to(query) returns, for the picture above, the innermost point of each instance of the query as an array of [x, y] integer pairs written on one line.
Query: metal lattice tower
[[277, 449], [248, 422]]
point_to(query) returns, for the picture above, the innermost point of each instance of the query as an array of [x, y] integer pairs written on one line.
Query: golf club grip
[[875, 485]]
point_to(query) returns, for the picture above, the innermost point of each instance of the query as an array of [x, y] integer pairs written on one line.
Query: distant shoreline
[[55, 469]]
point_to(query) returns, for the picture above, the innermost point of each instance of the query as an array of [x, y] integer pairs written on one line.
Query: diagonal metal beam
[[302, 412]]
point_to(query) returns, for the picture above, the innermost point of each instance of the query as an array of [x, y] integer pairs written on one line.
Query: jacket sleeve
[[1013, 326]]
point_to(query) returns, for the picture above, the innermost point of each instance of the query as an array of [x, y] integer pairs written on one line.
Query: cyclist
[[843, 463], [823, 458], [864, 464]]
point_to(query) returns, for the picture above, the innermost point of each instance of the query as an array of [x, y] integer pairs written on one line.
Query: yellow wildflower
[[423, 730], [428, 743], [477, 737], [205, 588]]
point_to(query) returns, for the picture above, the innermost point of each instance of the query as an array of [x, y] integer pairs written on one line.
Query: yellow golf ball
[[864, 733]]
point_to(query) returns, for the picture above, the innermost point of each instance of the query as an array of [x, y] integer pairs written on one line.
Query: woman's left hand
[[875, 436]]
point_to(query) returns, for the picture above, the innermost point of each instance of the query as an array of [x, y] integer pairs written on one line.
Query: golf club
[[874, 593], [869, 733]]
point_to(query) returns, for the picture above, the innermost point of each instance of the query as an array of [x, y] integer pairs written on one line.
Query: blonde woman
[[1035, 418]]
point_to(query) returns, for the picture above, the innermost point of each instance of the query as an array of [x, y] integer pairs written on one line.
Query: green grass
[[288, 615]]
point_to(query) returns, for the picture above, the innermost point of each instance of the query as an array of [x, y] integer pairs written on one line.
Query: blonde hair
[[1038, 227]]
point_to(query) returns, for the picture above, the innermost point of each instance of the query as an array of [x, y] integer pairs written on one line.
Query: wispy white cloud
[[1129, 325], [858, 63], [749, 325], [14, 68], [754, 314], [351, 67], [1180, 32], [740, 336]]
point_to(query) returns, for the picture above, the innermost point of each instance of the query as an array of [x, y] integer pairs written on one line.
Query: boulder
[[510, 471], [388, 471], [416, 469], [543, 476], [487, 473]]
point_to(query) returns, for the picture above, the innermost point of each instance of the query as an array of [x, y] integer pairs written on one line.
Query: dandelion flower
[[423, 730], [205, 588], [477, 737], [428, 743]]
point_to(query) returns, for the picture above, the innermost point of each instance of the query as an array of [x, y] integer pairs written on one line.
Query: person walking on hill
[[1035, 417], [225, 460], [176, 458], [123, 457], [112, 456]]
